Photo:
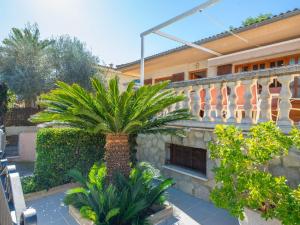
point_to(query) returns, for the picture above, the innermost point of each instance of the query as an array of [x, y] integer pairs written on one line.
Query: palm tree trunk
[[117, 155]]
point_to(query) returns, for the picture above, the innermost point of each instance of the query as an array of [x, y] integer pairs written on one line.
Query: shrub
[[62, 149], [125, 201], [242, 174]]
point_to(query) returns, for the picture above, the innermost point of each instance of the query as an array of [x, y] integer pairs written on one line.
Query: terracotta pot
[[254, 218]]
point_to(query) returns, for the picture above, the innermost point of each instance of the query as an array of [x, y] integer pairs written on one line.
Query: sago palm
[[117, 114]]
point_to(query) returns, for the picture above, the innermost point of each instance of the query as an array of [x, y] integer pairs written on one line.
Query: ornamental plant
[[106, 110], [126, 201], [242, 175]]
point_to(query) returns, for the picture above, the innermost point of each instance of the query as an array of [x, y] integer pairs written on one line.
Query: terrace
[[211, 104]]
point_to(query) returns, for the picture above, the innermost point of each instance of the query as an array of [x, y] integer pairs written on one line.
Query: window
[[245, 68], [262, 66], [224, 69], [193, 75], [255, 67], [188, 157], [280, 63], [272, 64], [292, 61]]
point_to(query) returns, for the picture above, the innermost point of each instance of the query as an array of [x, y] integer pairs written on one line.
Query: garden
[[95, 148]]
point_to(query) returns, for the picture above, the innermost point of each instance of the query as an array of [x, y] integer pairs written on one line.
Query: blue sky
[[111, 28]]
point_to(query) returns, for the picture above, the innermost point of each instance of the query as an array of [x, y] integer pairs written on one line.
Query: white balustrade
[[216, 85], [196, 102], [231, 102], [285, 104], [207, 106]]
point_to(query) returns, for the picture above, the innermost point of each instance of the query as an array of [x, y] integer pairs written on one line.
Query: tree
[[72, 61], [23, 63], [115, 114], [3, 101]]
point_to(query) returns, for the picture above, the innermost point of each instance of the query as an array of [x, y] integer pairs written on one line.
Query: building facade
[[255, 79]]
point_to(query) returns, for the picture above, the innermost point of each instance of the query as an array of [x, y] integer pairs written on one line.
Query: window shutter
[[178, 77], [224, 69], [148, 81]]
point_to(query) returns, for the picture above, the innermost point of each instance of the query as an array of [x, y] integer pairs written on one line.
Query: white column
[[179, 104], [218, 116], [248, 105], [207, 106], [231, 102], [285, 105], [196, 102], [187, 102], [264, 101]]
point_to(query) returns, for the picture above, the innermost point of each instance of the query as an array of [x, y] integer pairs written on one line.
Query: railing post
[[207, 106], [196, 102], [231, 118], [248, 105], [218, 116], [187, 101], [264, 107], [284, 122], [178, 105]]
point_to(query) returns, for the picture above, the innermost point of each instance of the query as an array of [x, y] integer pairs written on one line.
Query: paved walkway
[[188, 210]]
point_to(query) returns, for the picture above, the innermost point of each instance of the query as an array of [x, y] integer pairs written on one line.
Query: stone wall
[[154, 149]]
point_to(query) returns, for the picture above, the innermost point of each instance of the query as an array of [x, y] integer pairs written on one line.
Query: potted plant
[[244, 186], [133, 200]]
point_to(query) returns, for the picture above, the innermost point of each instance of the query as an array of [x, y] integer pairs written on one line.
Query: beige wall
[[260, 53]]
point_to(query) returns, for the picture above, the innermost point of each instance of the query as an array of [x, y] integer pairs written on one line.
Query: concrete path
[[188, 210], [51, 210]]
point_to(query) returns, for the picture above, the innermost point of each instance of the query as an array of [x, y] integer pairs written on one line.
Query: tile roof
[[271, 19]]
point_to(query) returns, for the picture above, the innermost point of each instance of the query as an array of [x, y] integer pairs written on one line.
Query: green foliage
[[29, 185], [252, 20], [72, 62], [125, 202], [3, 101], [23, 62], [62, 149], [242, 174], [107, 110], [12, 99]]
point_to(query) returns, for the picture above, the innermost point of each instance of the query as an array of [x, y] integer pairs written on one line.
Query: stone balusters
[[264, 102], [178, 105], [218, 116], [247, 120], [196, 102], [231, 102], [187, 102], [285, 105], [207, 106]]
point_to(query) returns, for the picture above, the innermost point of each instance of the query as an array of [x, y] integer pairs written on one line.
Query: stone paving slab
[[51, 210], [188, 210]]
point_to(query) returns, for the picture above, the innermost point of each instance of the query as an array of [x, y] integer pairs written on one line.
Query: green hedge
[[62, 149]]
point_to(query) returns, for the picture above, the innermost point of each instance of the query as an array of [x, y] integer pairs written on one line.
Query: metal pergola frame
[[156, 30]]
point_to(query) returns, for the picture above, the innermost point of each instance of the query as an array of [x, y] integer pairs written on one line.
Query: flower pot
[[254, 218], [156, 218]]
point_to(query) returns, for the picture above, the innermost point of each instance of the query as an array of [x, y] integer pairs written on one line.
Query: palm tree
[[115, 114]]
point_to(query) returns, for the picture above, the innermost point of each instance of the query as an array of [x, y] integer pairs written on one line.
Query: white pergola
[[156, 30]]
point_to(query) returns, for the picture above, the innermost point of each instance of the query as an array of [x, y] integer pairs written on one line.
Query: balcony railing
[[243, 99], [13, 210]]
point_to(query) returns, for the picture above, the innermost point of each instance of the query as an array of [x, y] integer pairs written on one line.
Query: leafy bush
[[62, 149], [29, 185], [123, 202], [242, 175]]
